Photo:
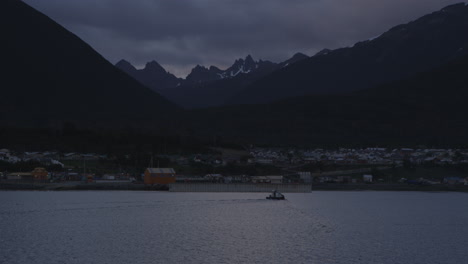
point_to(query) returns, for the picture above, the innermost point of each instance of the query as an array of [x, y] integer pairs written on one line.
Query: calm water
[[157, 227]]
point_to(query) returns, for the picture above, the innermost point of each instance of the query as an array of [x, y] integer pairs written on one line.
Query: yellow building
[[159, 176]]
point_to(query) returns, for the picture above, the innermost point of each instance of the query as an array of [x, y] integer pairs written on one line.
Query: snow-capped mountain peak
[[246, 65]]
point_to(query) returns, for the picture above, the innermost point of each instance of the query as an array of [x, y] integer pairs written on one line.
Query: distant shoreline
[[390, 187], [78, 187], [142, 187]]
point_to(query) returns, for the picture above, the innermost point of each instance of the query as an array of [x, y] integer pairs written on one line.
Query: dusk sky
[[180, 34]]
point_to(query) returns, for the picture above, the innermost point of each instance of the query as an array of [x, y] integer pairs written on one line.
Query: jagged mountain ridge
[[417, 46], [205, 87], [200, 74], [153, 75], [216, 92]]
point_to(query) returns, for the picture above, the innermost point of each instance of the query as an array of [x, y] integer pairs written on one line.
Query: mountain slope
[[427, 108], [49, 75], [418, 46]]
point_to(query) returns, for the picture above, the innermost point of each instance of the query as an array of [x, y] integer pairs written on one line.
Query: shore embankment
[[175, 187], [389, 187], [76, 186], [229, 187], [240, 187]]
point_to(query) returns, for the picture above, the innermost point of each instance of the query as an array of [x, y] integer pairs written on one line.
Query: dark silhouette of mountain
[[201, 74], [241, 66], [295, 58], [51, 76], [198, 89], [212, 87], [153, 76], [205, 87], [323, 52], [420, 45], [127, 67], [426, 108]]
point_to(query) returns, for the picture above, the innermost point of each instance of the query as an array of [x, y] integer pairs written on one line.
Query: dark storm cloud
[[182, 33]]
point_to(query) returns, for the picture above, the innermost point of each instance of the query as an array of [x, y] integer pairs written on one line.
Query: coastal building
[[39, 173], [305, 176], [4, 154], [159, 176], [267, 179], [367, 178], [108, 177], [214, 177], [454, 180]]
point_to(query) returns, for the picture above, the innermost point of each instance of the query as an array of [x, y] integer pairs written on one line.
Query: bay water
[[165, 227]]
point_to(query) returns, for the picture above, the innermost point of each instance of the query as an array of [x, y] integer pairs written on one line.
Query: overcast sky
[[180, 34]]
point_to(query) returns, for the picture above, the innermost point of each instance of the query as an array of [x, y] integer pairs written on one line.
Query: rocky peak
[[323, 52], [299, 56], [215, 69], [154, 67], [201, 74], [249, 63], [125, 66], [241, 66], [295, 58], [198, 69]]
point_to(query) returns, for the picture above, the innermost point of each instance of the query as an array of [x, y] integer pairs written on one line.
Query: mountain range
[[408, 86], [406, 49], [205, 87], [427, 108]]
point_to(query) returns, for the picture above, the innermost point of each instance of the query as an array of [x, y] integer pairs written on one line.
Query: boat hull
[[275, 198]]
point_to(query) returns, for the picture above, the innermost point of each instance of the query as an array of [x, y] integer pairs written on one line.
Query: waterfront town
[[252, 165]]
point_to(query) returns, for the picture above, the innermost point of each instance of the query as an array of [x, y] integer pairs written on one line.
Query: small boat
[[275, 195]]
